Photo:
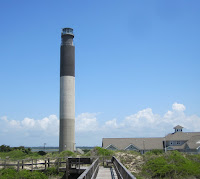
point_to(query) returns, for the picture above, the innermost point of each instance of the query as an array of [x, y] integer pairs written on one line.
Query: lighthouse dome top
[[67, 31]]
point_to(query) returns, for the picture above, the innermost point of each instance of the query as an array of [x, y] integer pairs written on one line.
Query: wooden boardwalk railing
[[91, 171], [69, 165], [63, 164], [121, 170], [33, 164]]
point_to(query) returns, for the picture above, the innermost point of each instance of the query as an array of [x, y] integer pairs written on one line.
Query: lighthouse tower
[[67, 91]]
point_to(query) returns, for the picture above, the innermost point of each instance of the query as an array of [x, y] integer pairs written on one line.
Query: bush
[[15, 154], [22, 174], [5, 148], [67, 153], [171, 165], [42, 153], [7, 173], [86, 150], [103, 152], [157, 151], [51, 171], [23, 149]]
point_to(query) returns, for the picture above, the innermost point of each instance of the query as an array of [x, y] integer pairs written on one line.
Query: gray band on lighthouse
[[67, 60]]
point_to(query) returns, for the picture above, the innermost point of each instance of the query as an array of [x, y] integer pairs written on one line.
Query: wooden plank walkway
[[105, 173]]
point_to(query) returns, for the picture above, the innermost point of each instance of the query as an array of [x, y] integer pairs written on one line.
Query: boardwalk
[[105, 173]]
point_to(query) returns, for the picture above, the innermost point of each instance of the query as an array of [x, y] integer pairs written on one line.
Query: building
[[179, 140]]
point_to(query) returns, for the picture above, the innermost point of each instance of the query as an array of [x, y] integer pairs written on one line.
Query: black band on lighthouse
[[67, 60]]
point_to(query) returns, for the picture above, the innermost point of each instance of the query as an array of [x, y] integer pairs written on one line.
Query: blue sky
[[137, 68]]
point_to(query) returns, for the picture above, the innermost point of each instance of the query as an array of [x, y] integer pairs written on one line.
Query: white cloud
[[27, 122], [178, 107], [14, 123], [90, 130], [29, 131], [86, 122], [4, 118], [113, 124], [142, 118]]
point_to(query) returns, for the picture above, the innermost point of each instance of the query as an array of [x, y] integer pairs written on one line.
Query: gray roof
[[181, 136], [194, 142], [178, 146], [139, 143], [178, 127]]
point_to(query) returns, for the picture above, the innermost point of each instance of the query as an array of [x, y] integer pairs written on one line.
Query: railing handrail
[[94, 167], [121, 170]]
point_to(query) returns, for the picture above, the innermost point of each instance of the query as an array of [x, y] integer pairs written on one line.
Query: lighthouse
[[67, 91]]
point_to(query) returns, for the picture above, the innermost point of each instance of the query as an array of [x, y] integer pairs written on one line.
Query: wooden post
[[58, 164], [18, 165], [67, 169], [79, 165], [5, 164], [48, 162], [45, 164], [32, 165], [22, 164]]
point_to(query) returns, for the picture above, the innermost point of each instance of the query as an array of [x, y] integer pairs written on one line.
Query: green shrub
[[38, 175], [5, 148], [154, 152], [103, 152], [132, 152], [157, 167], [195, 158], [7, 173], [86, 150], [42, 153], [15, 154], [98, 151], [51, 171], [67, 153], [171, 165], [22, 174]]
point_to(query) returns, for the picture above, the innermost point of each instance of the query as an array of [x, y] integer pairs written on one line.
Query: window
[[111, 147], [171, 143], [178, 142], [131, 147]]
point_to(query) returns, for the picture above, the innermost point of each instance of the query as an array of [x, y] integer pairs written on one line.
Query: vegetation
[[6, 148], [98, 151], [153, 164], [22, 174], [18, 153], [155, 152], [26, 174], [67, 153], [157, 164], [171, 165]]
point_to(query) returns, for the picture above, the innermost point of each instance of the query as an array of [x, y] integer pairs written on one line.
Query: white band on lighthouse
[[67, 112]]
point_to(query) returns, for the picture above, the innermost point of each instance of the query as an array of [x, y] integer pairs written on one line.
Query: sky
[[137, 69]]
